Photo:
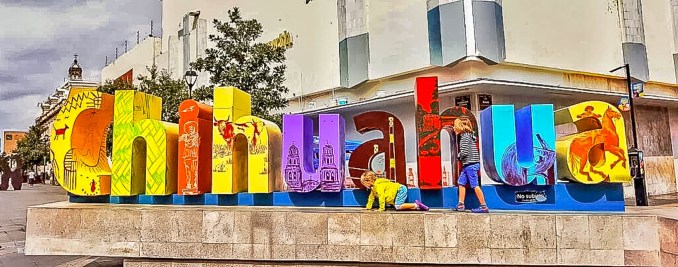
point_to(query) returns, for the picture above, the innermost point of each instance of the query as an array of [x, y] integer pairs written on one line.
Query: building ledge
[[486, 85]]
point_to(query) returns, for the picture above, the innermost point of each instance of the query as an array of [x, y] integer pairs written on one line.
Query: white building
[[366, 54], [130, 65]]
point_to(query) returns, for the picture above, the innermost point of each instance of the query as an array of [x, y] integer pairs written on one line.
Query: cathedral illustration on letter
[[330, 178], [329, 173], [293, 169]]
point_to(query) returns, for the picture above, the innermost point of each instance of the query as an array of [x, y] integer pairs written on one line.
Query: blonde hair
[[368, 176], [463, 125]]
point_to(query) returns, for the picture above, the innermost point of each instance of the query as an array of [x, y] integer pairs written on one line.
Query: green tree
[[157, 83], [172, 92], [34, 148], [239, 60], [110, 86]]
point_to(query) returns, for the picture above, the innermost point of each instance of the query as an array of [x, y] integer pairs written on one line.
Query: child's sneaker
[[460, 207], [420, 205], [481, 210]]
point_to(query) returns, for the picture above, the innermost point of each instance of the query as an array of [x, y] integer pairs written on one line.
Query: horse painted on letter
[[591, 147]]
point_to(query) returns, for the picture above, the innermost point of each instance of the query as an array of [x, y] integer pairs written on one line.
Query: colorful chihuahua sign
[[224, 151]]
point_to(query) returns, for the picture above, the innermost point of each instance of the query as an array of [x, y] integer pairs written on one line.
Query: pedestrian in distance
[[31, 178]]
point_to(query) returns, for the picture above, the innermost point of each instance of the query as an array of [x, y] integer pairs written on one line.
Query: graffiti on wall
[[78, 143], [298, 153], [519, 148], [597, 151]]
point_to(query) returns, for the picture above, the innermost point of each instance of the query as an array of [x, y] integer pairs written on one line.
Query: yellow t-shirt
[[385, 190]]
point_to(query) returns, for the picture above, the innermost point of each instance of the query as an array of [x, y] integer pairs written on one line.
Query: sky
[[39, 37]]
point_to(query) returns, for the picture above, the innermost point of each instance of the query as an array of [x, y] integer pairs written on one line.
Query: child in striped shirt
[[388, 193], [470, 161]]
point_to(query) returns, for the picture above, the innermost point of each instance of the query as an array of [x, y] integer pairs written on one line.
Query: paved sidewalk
[[658, 200], [13, 205]]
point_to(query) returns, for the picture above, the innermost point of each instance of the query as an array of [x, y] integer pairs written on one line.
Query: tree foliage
[[239, 60], [110, 86], [172, 92], [157, 83], [34, 148]]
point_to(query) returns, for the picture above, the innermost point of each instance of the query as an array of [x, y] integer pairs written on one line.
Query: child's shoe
[[460, 207], [420, 205], [482, 209]]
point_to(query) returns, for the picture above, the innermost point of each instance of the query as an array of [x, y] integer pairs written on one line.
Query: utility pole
[[151, 35], [635, 155], [137, 37], [116, 53], [106, 64]]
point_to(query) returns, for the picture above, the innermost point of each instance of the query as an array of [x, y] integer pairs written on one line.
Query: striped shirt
[[468, 151]]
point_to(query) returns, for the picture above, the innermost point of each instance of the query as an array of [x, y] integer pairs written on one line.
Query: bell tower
[[75, 71]]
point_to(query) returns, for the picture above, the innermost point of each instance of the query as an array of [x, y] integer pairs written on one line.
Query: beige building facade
[[11, 140]]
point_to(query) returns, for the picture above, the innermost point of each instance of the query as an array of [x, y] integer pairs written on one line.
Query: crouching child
[[388, 192]]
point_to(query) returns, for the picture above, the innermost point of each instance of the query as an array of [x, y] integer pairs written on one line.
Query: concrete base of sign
[[560, 197], [193, 234]]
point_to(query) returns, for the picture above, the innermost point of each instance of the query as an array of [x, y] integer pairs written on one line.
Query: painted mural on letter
[[597, 151], [385, 156], [519, 146], [430, 122], [144, 148], [78, 143], [195, 148], [245, 149], [300, 176]]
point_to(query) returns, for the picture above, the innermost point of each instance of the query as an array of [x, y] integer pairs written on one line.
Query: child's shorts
[[469, 175], [401, 196]]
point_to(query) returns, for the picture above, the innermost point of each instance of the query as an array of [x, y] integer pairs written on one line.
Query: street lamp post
[[633, 110], [635, 155], [190, 77]]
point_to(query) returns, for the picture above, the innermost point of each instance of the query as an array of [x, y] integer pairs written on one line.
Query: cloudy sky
[[39, 37]]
